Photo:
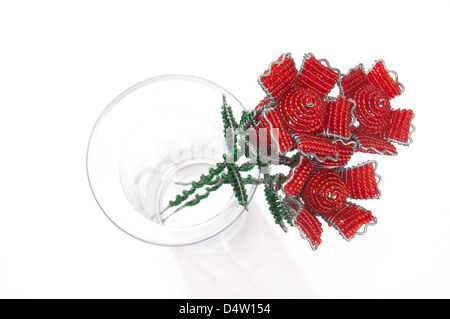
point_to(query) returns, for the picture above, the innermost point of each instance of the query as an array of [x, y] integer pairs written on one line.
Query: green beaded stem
[[216, 187], [248, 166], [192, 202], [249, 180], [209, 190], [218, 176], [204, 180]]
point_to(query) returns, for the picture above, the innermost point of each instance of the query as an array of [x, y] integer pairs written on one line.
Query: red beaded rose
[[325, 131]]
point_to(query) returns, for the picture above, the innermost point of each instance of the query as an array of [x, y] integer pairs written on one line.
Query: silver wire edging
[[331, 222], [309, 55], [371, 148], [292, 175], [343, 172], [296, 138], [361, 66], [272, 136], [269, 72], [412, 130], [389, 71], [299, 207], [339, 82], [341, 138]]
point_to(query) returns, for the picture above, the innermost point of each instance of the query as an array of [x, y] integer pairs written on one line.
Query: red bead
[[353, 81], [281, 136], [349, 219], [281, 132], [303, 111], [317, 147], [339, 118], [372, 109], [361, 181], [279, 78], [316, 76], [399, 126], [379, 77], [345, 153], [325, 192], [367, 143], [310, 226], [298, 177]]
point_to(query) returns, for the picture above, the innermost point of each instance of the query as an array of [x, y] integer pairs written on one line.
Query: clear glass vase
[[148, 145]]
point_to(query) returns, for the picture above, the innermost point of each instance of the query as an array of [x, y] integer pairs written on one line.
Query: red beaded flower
[[379, 124], [324, 132]]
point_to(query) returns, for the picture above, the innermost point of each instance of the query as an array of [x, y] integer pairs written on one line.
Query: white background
[[62, 62]]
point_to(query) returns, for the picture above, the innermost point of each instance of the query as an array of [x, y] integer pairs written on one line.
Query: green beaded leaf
[[230, 131], [246, 118], [237, 183], [249, 119], [228, 117], [279, 208], [287, 212], [272, 199]]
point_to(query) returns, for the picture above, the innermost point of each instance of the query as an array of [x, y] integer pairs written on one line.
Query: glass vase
[[148, 145]]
